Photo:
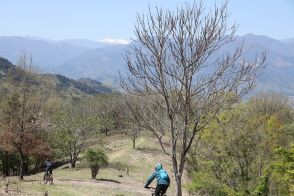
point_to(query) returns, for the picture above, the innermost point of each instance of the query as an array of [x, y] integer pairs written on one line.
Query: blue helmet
[[158, 166]]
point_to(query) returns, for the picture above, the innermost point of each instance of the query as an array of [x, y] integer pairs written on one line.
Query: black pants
[[160, 189], [48, 170]]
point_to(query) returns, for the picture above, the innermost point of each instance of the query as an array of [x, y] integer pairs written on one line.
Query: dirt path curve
[[122, 186]]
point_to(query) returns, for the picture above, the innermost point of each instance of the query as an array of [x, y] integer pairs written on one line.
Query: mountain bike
[[153, 191], [48, 178]]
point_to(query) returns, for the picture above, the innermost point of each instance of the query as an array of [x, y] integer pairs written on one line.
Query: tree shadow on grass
[[32, 180], [94, 181], [108, 180]]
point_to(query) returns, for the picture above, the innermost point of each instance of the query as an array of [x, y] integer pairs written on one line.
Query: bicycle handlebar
[[149, 187]]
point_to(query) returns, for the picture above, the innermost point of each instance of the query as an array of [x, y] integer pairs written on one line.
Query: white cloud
[[115, 41]]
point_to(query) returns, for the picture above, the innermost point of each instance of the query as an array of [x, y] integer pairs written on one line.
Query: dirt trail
[[123, 186], [131, 187]]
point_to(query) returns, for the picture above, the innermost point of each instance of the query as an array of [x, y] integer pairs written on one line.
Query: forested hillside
[[56, 82]]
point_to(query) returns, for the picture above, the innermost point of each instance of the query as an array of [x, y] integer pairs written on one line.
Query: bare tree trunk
[[73, 162], [178, 176], [5, 164], [134, 142], [94, 172], [178, 185], [37, 166], [21, 167]]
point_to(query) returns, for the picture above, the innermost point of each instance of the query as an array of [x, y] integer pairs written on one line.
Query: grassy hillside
[[77, 181], [56, 82]]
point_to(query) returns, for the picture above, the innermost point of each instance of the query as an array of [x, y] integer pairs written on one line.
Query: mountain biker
[[162, 180], [49, 166]]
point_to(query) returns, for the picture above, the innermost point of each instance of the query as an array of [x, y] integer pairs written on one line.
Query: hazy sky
[[101, 19]]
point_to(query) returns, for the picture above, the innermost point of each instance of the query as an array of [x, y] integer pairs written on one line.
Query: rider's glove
[[146, 187]]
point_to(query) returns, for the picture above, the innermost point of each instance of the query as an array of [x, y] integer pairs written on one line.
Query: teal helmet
[[158, 166]]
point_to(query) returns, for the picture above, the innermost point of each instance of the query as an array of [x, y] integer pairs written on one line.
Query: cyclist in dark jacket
[[162, 180], [49, 166]]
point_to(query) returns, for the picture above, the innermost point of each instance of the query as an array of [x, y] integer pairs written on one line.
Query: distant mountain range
[[79, 58], [74, 58]]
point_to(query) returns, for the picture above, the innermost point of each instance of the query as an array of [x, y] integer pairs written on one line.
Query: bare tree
[[178, 77], [133, 132]]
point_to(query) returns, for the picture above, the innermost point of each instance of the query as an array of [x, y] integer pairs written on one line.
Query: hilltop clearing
[[110, 181]]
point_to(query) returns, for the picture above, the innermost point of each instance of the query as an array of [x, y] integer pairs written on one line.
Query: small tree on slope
[[96, 159]]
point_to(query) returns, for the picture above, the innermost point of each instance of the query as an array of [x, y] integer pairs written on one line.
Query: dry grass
[[76, 181]]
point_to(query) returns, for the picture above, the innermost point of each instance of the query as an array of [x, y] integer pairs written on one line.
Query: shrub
[[96, 159]]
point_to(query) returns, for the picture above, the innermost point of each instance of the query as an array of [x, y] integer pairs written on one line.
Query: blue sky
[[101, 19]]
